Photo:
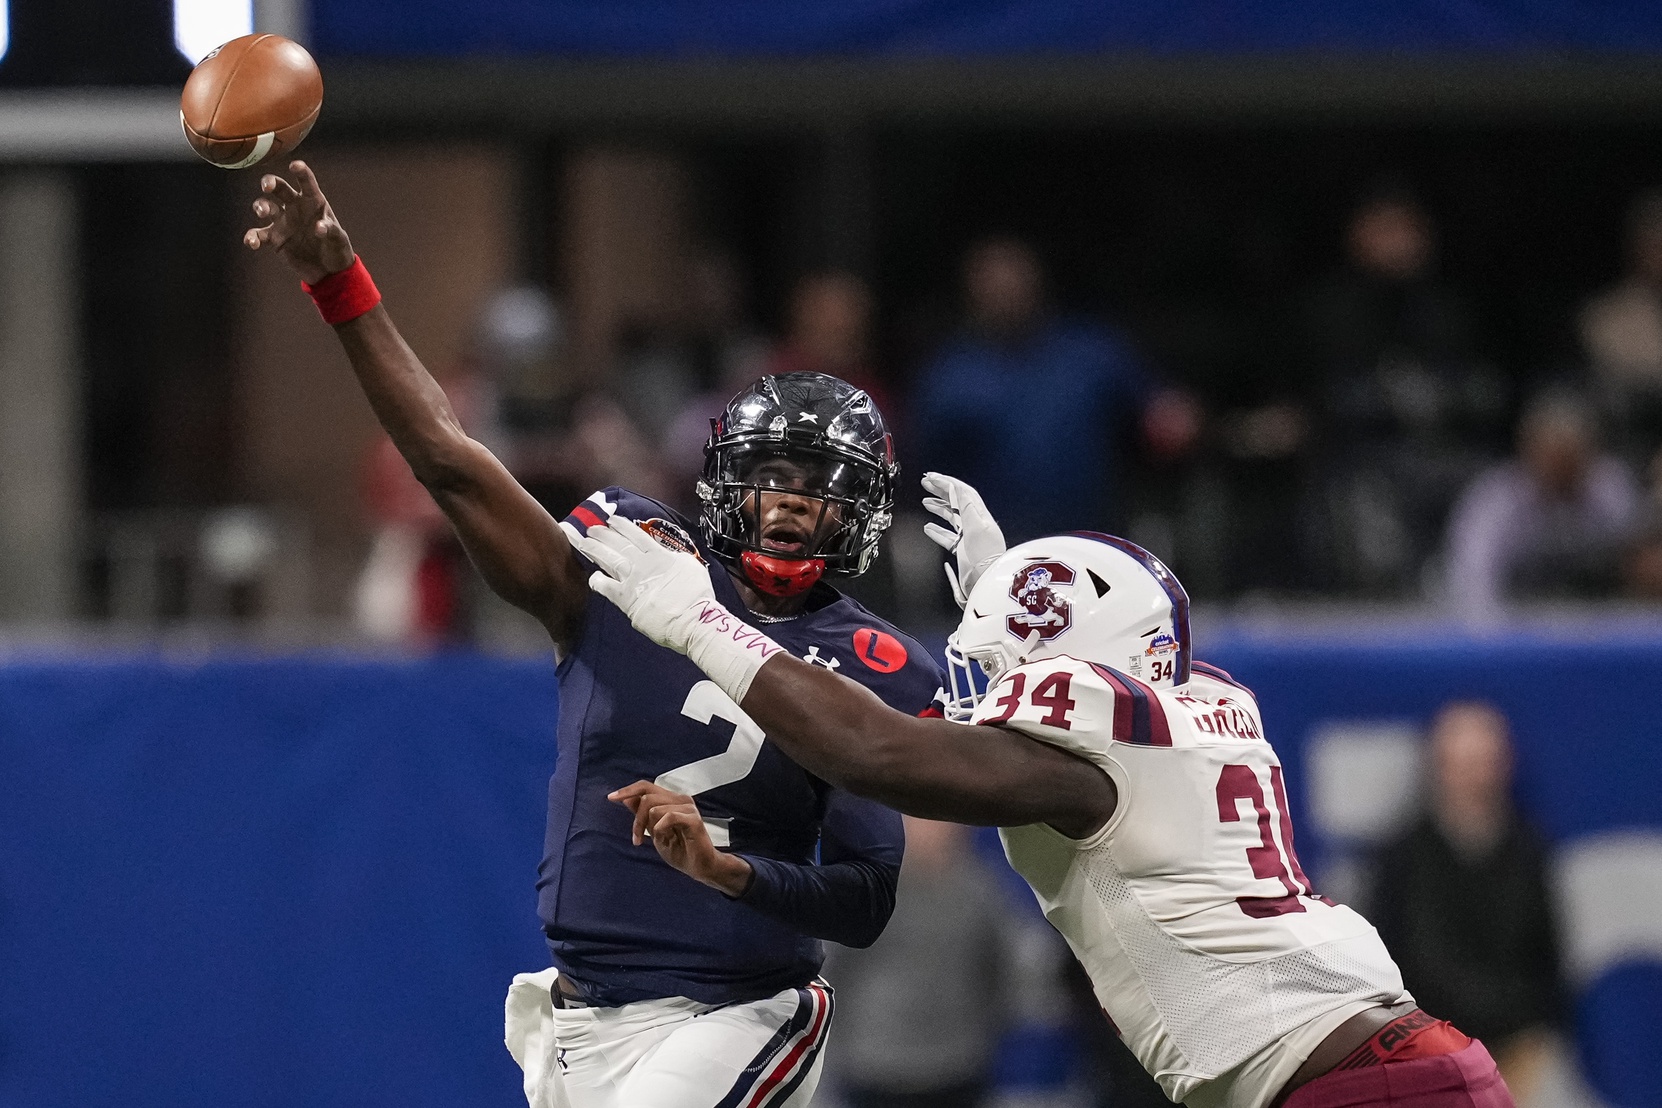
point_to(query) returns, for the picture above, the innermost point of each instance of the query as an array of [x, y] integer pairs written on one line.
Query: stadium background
[[249, 856]]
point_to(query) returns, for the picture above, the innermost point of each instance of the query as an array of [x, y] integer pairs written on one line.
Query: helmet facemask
[[964, 692], [750, 490], [811, 437]]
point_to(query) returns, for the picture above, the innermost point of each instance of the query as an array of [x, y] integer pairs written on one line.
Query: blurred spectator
[[1552, 523], [1033, 410], [920, 1012], [1394, 341], [670, 363], [606, 447], [512, 392], [1642, 561], [830, 332], [718, 352], [416, 585], [645, 427], [1621, 328], [1408, 408], [520, 359], [412, 588], [1463, 901]]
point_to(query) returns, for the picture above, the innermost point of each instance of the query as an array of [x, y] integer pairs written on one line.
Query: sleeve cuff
[[764, 885]]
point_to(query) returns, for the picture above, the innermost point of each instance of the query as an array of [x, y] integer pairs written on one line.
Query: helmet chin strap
[[781, 576]]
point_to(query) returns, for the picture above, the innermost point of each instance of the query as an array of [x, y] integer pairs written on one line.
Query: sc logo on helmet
[[1043, 610]]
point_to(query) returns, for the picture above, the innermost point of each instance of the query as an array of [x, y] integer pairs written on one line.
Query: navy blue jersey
[[619, 919]]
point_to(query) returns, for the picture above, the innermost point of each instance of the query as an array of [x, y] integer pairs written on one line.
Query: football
[[252, 99]]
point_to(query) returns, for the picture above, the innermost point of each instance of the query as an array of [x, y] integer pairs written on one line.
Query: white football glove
[[668, 597], [970, 534], [659, 589]]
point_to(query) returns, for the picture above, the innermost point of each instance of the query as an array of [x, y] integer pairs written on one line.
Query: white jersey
[[1218, 964]]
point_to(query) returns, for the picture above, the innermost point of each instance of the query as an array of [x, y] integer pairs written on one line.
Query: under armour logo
[[807, 417], [560, 1060], [813, 659]]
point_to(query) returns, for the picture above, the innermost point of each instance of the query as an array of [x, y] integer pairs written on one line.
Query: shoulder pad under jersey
[[1078, 705]]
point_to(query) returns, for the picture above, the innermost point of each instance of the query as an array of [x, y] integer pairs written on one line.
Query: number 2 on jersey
[[1240, 782], [706, 703]]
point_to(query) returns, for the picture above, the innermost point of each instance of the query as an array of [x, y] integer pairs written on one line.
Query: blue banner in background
[[309, 881], [267, 884], [971, 28], [1589, 742]]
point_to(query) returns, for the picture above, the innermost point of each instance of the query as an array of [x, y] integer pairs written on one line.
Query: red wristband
[[344, 296]]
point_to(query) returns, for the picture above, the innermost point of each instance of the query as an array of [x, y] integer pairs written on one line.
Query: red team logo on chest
[[1043, 610], [879, 650]]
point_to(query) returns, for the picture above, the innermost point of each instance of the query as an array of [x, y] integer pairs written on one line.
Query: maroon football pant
[[1466, 1078]]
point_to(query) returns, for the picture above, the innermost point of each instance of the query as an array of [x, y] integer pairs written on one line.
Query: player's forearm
[[407, 400], [842, 732], [728, 874], [829, 725], [846, 902], [923, 767]]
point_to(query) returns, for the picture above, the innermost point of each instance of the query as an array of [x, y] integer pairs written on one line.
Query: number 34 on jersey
[[1200, 789]]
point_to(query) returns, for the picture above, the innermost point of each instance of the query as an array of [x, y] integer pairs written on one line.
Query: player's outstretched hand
[[662, 591], [672, 821], [301, 226], [968, 531]]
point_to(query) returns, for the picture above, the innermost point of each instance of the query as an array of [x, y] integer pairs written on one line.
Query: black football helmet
[[831, 441]]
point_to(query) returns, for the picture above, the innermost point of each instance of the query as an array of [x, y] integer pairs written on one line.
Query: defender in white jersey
[[1219, 966], [1137, 796]]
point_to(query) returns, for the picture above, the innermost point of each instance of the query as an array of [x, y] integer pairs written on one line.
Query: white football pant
[[673, 1053]]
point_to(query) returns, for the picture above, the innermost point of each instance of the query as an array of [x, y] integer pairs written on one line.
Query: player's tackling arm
[[835, 727], [925, 767], [517, 546]]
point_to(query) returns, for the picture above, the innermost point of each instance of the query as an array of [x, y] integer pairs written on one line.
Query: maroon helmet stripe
[[1167, 582]]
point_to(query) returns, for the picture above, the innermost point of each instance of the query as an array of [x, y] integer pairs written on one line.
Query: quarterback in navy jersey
[[697, 988], [626, 925]]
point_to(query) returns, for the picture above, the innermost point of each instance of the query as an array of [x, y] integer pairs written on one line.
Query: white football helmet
[[1090, 596]]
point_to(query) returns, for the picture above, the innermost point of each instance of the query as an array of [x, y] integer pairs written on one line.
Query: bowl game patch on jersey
[[671, 535]]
